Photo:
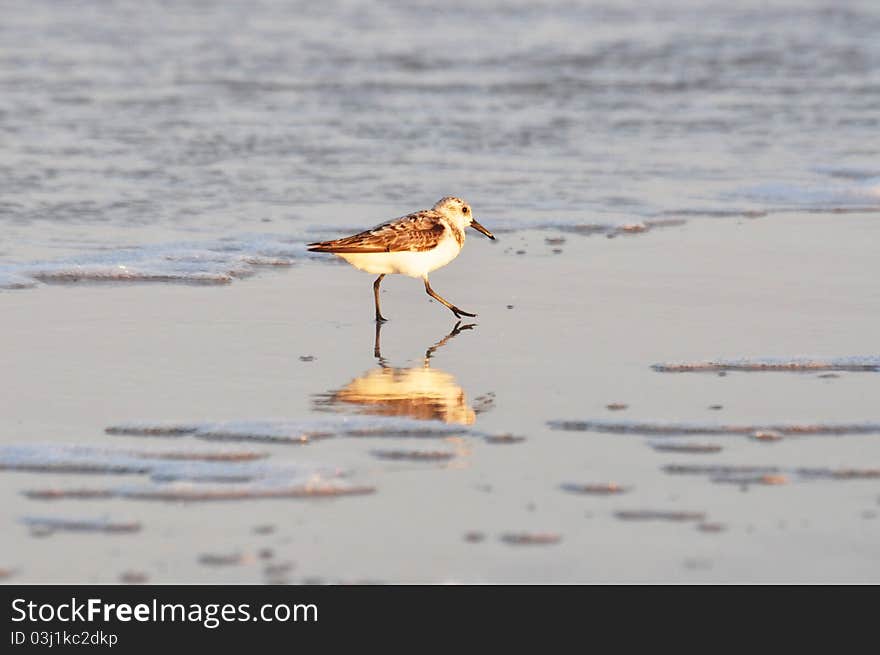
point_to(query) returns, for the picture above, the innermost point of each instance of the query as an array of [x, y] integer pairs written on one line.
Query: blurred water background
[[228, 115]]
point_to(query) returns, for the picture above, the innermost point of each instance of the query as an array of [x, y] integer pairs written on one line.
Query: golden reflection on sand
[[419, 392]]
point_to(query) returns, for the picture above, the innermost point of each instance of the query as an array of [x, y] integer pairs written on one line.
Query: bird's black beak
[[480, 228]]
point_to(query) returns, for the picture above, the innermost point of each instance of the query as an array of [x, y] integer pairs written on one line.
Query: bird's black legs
[[455, 310], [379, 317]]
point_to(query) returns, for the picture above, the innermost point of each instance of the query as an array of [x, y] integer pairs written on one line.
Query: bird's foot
[[381, 319], [460, 312]]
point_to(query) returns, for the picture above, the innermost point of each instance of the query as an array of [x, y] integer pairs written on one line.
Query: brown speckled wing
[[416, 232]]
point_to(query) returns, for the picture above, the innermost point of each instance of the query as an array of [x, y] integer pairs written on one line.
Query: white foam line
[[673, 428], [803, 363], [211, 262], [292, 430], [179, 465]]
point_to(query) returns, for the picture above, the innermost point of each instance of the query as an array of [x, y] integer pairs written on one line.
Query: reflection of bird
[[412, 245], [419, 392]]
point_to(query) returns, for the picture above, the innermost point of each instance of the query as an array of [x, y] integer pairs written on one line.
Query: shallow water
[[684, 187], [206, 117]]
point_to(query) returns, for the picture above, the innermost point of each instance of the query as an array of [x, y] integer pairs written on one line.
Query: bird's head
[[460, 213]]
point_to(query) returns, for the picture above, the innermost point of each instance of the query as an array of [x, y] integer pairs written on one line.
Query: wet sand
[[560, 336]]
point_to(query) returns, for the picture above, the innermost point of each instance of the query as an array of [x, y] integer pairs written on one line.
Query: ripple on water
[[59, 458], [44, 526], [188, 491], [840, 474], [659, 515], [184, 475], [414, 455], [503, 439], [684, 447], [719, 469], [711, 212], [261, 489], [861, 194], [659, 428], [9, 280], [606, 228], [810, 364], [595, 489], [224, 559], [53, 493], [849, 172], [294, 431], [212, 262], [531, 538], [748, 479], [766, 436], [770, 475]]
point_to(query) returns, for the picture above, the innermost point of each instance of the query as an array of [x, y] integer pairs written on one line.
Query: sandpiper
[[412, 245]]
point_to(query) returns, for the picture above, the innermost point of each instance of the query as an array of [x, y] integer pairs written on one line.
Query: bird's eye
[[464, 210]]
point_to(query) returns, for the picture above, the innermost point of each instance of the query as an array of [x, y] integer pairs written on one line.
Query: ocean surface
[[216, 117]]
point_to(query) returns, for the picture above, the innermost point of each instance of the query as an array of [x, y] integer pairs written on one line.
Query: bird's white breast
[[406, 262]]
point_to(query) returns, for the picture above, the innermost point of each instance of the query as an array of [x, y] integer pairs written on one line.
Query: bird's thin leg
[[379, 317], [455, 310]]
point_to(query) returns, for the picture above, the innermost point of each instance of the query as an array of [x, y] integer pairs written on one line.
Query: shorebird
[[412, 245]]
